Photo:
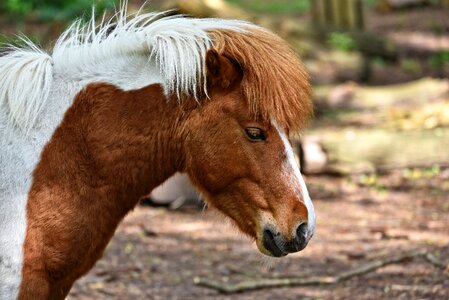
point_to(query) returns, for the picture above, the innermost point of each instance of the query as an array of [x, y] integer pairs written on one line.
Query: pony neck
[[111, 149], [119, 143]]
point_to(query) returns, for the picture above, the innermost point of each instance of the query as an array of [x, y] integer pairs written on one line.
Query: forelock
[[275, 82]]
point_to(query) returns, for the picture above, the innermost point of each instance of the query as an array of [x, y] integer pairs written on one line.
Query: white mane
[[25, 83], [177, 44]]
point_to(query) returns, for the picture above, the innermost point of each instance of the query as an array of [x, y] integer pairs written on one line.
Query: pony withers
[[115, 110]]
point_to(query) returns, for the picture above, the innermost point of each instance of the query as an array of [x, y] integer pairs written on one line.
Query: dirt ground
[[156, 253]]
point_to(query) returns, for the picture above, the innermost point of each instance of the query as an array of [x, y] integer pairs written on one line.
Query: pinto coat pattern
[[119, 107]]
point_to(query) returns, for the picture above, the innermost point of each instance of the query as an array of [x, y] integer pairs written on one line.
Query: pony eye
[[255, 134]]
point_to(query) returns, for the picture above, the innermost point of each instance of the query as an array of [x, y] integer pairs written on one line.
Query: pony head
[[238, 153]]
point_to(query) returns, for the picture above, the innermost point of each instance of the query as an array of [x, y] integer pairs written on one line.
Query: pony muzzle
[[277, 245]]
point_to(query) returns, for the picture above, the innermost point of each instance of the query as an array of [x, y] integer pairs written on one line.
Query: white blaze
[[293, 166]]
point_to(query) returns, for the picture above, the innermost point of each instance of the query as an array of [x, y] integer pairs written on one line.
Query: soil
[[156, 253]]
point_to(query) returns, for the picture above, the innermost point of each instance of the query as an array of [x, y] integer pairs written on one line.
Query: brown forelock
[[111, 148], [275, 82]]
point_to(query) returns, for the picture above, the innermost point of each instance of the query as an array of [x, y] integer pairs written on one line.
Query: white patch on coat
[[19, 155], [293, 171], [12, 232]]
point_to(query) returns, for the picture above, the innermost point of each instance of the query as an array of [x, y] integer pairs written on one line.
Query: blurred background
[[376, 157]]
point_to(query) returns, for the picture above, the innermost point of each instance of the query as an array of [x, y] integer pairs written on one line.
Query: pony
[[117, 108], [175, 191]]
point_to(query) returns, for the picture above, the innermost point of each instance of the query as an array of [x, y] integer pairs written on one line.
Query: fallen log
[[352, 150], [354, 96], [389, 5], [368, 129]]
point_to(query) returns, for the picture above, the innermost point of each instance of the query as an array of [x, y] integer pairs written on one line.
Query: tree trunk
[[338, 14]]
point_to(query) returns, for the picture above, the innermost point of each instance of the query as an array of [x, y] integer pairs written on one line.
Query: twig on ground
[[316, 280], [434, 260]]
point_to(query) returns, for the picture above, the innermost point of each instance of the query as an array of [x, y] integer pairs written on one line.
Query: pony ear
[[221, 71]]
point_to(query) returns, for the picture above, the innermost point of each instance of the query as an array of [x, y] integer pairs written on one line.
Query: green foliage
[[269, 6], [411, 65], [378, 61], [439, 59], [53, 9], [419, 173], [437, 27], [371, 181], [16, 40], [17, 7], [371, 3], [341, 41]]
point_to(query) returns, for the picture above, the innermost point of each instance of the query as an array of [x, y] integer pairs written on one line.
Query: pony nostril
[[269, 242], [301, 236], [302, 230]]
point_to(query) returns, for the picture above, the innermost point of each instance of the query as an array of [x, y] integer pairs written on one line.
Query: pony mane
[[25, 82], [177, 43], [274, 82]]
